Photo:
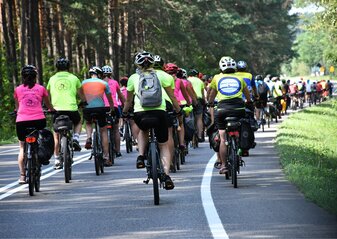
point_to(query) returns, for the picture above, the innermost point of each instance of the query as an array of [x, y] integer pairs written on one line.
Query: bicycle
[[64, 126], [154, 166], [128, 135], [179, 154], [111, 137], [234, 159], [264, 114]]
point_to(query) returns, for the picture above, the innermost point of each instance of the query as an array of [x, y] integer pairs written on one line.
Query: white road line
[[78, 159], [212, 216]]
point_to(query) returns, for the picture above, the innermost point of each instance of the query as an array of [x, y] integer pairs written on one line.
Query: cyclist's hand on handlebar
[[125, 115], [250, 105], [82, 104]]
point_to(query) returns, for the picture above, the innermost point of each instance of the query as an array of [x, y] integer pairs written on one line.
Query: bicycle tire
[[96, 153], [66, 159], [177, 158], [128, 138], [235, 164], [263, 120], [37, 174], [182, 156], [154, 172], [111, 146], [30, 173]]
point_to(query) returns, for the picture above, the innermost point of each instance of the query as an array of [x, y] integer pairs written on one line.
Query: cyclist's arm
[[192, 94], [111, 102], [80, 94], [212, 94], [16, 104], [121, 96], [170, 93], [246, 93], [184, 92], [128, 102], [47, 103]]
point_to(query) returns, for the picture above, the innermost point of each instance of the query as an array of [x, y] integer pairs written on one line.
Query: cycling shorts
[[100, 113], [229, 108], [156, 119], [199, 108], [73, 115], [21, 127], [170, 118]]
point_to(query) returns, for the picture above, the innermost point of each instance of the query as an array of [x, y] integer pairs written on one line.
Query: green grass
[[307, 145]]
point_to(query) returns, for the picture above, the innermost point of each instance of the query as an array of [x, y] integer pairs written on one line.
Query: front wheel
[[154, 172], [96, 153]]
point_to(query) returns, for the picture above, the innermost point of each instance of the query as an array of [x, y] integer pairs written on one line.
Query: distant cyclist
[[117, 95], [263, 92], [64, 89], [28, 105], [94, 89], [228, 87], [242, 70], [151, 117]]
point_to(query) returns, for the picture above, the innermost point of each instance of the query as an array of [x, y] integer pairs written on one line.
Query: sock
[[76, 136]]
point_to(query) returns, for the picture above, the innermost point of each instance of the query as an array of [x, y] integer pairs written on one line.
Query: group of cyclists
[[233, 90]]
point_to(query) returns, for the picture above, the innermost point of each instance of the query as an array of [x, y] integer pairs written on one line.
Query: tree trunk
[[130, 37], [115, 39], [23, 50], [37, 41]]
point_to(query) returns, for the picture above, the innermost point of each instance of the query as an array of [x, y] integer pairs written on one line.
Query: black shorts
[[100, 115], [73, 115], [156, 119], [170, 118], [21, 127], [229, 108], [199, 108]]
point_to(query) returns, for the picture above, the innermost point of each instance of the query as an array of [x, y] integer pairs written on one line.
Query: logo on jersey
[[62, 85], [229, 86]]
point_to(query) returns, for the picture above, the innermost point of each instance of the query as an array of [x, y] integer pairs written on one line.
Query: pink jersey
[[186, 84], [292, 88], [177, 91], [114, 86], [30, 102], [124, 92]]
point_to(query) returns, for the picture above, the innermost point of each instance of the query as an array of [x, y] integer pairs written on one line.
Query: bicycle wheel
[[96, 153], [262, 120], [111, 145], [154, 172], [66, 159], [37, 173], [30, 172], [128, 138], [234, 164], [182, 156]]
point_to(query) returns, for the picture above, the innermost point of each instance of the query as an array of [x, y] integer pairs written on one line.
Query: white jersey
[[308, 87]]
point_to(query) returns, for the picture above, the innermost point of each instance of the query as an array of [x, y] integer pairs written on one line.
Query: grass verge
[[307, 145]]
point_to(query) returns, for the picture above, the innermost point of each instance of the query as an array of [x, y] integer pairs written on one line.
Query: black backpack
[[247, 138], [45, 146], [262, 89]]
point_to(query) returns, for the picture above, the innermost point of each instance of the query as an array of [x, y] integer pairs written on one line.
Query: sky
[[309, 9]]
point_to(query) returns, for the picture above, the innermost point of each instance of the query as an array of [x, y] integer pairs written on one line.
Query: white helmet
[[107, 69], [227, 62]]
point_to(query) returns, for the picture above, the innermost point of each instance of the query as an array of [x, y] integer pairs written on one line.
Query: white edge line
[[81, 159], [212, 216]]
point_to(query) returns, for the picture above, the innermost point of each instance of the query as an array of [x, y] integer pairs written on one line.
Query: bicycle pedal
[[146, 181], [242, 163]]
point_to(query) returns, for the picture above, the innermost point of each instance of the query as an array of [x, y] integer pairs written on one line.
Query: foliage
[[306, 142]]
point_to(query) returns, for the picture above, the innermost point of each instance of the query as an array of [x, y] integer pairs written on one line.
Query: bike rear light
[[234, 133], [31, 139], [109, 126]]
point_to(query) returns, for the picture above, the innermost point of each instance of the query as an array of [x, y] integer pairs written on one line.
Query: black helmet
[[241, 65], [62, 64], [158, 62], [28, 70], [193, 72], [258, 77]]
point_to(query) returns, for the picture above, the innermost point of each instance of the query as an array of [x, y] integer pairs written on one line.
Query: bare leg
[[105, 142], [117, 138], [165, 156], [20, 159]]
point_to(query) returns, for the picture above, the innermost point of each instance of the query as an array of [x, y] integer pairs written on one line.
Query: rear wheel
[[154, 173], [66, 159], [263, 121], [234, 162], [128, 138], [37, 174], [111, 146], [30, 175], [96, 153]]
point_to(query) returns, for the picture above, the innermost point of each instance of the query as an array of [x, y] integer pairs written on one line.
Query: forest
[[190, 33]]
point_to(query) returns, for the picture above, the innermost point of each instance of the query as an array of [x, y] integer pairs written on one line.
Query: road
[[203, 204]]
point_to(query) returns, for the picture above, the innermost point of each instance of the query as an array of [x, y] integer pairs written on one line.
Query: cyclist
[[277, 94], [198, 87], [308, 91], [263, 92], [228, 87], [28, 105], [248, 77], [64, 87], [117, 95], [151, 117], [94, 89]]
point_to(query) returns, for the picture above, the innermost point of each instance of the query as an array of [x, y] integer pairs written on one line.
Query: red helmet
[[171, 68]]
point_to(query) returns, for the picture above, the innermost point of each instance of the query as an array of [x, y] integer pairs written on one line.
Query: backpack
[[247, 137], [190, 129], [262, 89], [149, 90], [214, 137], [45, 146]]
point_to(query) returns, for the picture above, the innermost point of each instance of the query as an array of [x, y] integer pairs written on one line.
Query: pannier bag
[[247, 137], [214, 137], [62, 120], [206, 117], [45, 146], [190, 129]]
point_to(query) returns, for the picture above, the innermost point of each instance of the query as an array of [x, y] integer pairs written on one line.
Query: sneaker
[[58, 164], [118, 155], [107, 162], [140, 161], [22, 179], [168, 183], [76, 145], [88, 143]]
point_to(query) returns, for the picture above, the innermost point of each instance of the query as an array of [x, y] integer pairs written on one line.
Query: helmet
[[95, 70], [241, 65], [171, 68], [193, 72], [158, 61], [28, 70], [182, 73], [143, 57], [227, 62], [62, 64], [124, 80], [258, 77], [107, 70]]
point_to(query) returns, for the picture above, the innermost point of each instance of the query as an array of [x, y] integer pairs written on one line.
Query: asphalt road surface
[[203, 204]]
